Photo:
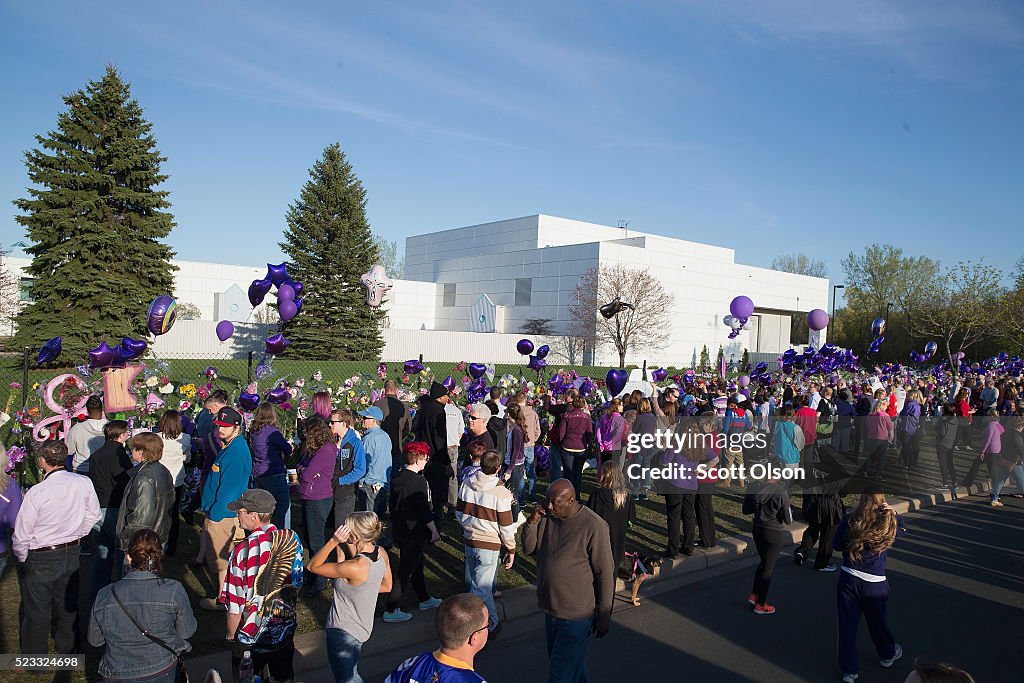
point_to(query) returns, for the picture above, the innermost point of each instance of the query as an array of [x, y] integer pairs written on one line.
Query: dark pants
[[769, 545], [972, 473], [344, 505], [910, 449], [314, 516], [947, 470], [49, 589], [572, 468], [279, 662], [822, 534], [676, 505], [436, 474], [855, 597], [567, 641], [705, 512], [172, 535], [107, 558], [876, 450], [277, 486], [410, 568]]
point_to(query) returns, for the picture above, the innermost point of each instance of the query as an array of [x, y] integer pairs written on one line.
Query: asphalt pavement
[[957, 583]]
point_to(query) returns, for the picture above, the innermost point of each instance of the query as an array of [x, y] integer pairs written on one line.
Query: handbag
[[182, 676]]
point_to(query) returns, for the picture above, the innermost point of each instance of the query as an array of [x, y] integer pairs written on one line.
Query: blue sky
[[769, 127]]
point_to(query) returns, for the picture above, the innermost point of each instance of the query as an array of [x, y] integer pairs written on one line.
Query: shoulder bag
[[182, 676]]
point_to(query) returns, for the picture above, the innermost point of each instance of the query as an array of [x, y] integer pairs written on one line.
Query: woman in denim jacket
[[159, 605]]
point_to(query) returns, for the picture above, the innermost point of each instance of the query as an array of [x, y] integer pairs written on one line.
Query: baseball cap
[[255, 500], [481, 411], [228, 417], [374, 412]]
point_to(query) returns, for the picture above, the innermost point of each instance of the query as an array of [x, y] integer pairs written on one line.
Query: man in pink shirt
[[807, 419], [55, 514]]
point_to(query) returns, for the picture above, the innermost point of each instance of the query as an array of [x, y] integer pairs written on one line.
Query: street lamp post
[[888, 307], [834, 288]]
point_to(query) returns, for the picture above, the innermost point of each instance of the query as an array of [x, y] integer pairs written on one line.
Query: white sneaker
[[850, 678], [886, 663], [396, 617], [430, 604], [828, 568]]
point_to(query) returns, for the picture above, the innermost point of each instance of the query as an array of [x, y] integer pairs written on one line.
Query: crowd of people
[[391, 476]]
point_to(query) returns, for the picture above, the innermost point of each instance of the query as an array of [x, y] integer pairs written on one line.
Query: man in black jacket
[[432, 429], [396, 422], [109, 469]]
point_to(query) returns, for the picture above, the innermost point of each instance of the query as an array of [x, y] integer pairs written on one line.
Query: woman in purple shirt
[[10, 503], [879, 433], [269, 449], [610, 429], [316, 488]]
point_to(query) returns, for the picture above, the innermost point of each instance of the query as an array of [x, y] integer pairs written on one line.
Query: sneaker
[[996, 504], [430, 604], [944, 487], [828, 568], [764, 609], [752, 599], [396, 617], [798, 558], [850, 678], [211, 605], [886, 663]]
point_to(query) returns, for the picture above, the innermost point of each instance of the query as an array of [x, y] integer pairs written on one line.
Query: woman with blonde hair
[[865, 536], [612, 503], [358, 581]]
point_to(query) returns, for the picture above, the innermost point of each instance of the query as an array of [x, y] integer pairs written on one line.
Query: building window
[[26, 289], [524, 289], [449, 295]]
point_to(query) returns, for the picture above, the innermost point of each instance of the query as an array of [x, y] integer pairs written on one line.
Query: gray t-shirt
[[353, 606]]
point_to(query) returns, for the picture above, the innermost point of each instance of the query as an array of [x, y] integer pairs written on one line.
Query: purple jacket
[[515, 454], [575, 430], [610, 429], [316, 479], [269, 449], [992, 439], [10, 504]]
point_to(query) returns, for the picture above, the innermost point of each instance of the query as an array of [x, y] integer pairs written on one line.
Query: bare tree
[[537, 326], [801, 264], [960, 307], [394, 264], [644, 327], [10, 293], [188, 311], [568, 350], [266, 314]]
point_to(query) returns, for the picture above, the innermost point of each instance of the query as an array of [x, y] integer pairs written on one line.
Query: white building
[[490, 278]]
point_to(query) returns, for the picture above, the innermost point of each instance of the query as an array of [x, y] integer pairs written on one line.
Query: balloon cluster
[[103, 356], [929, 350], [878, 330], [740, 309], [537, 362], [826, 360], [289, 292], [377, 284]]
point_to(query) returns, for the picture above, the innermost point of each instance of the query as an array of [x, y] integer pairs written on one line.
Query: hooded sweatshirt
[[82, 440], [485, 513]]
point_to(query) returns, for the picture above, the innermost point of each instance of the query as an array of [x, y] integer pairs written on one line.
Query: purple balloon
[[817, 320], [118, 358], [287, 310], [277, 344], [412, 367], [537, 363], [132, 348], [616, 382], [744, 381], [659, 375], [225, 328], [49, 351], [524, 347], [101, 356], [278, 274], [248, 402], [278, 395], [298, 305], [477, 370], [298, 287], [285, 293], [161, 314], [741, 307], [555, 383], [542, 352], [448, 383], [258, 289]]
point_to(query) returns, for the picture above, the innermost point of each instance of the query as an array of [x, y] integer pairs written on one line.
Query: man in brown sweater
[[575, 578]]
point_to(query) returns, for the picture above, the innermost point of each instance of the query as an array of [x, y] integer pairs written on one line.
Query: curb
[[522, 601]]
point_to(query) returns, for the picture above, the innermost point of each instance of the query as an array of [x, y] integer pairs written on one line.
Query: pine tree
[[329, 246], [95, 221], [718, 359], [745, 361], [705, 359]]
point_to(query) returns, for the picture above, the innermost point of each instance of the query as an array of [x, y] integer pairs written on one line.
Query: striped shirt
[[485, 513]]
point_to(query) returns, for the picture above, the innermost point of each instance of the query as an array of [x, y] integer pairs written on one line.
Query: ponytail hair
[[145, 551]]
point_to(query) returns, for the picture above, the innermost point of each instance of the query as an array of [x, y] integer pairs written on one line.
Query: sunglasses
[[337, 422]]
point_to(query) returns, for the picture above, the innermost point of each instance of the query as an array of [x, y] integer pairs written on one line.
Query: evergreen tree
[[329, 246], [95, 221], [718, 359], [745, 361], [705, 359]]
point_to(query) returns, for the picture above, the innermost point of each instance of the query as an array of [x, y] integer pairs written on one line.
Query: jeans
[[555, 453], [999, 475], [169, 676], [876, 450], [343, 656], [481, 570], [368, 500], [518, 482], [344, 505], [530, 463], [567, 642], [106, 556], [314, 516], [572, 467], [50, 582], [841, 439], [644, 484], [3, 563], [277, 486]]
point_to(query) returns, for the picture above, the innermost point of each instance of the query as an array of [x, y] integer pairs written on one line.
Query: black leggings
[[947, 470], [769, 545], [410, 568], [676, 505], [172, 535], [705, 510]]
